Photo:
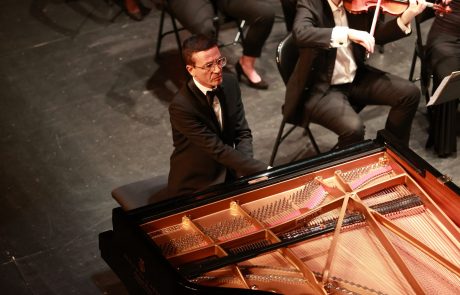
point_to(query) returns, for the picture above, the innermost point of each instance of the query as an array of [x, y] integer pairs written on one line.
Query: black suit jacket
[[312, 31], [203, 153]]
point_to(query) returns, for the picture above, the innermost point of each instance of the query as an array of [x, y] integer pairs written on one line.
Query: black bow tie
[[210, 94], [213, 93]]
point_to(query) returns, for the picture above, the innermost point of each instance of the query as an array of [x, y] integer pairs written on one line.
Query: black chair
[[419, 52], [287, 54], [219, 20]]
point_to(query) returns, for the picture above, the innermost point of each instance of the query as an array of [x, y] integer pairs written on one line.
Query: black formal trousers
[[335, 108], [204, 154], [197, 17], [310, 97], [443, 53]]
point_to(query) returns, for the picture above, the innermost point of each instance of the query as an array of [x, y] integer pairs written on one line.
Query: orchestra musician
[[443, 57], [211, 137], [331, 74], [197, 17]]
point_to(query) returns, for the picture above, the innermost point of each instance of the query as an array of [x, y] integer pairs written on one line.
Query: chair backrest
[[287, 54], [289, 11]]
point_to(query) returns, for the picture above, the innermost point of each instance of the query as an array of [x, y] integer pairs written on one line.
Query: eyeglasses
[[220, 62]]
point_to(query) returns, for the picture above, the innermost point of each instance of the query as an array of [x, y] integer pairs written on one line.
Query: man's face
[[209, 76]]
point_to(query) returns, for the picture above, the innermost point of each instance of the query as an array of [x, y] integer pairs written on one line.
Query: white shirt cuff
[[404, 28], [339, 37]]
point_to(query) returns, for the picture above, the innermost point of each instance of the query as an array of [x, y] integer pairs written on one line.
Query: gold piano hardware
[[444, 178]]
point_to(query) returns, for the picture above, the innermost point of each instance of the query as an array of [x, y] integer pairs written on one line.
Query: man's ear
[[190, 70]]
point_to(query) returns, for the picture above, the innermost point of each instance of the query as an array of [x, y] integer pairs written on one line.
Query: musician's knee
[[352, 131]]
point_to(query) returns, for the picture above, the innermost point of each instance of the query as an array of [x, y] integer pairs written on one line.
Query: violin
[[393, 7]]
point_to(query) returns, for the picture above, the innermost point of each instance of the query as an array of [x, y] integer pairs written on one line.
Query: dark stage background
[[84, 109]]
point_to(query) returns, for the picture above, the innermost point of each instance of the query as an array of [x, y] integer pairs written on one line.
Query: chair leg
[[412, 66], [216, 23], [335, 146], [176, 33], [425, 78], [160, 34], [312, 139], [240, 34], [280, 137], [277, 143], [239, 37]]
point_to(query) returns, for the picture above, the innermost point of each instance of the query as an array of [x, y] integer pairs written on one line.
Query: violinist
[[331, 75], [443, 54]]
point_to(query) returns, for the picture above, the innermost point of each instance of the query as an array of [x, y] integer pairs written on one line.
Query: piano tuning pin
[[383, 161]]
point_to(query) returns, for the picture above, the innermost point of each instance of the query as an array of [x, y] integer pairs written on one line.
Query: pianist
[[211, 137]]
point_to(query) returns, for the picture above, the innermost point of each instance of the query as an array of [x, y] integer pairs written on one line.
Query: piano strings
[[287, 228]]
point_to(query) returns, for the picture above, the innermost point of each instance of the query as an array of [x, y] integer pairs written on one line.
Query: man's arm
[[243, 135], [308, 29], [200, 135]]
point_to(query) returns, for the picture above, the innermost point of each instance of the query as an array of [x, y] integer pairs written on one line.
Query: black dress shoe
[[239, 72]]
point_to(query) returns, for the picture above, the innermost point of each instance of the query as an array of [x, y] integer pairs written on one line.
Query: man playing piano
[[211, 137]]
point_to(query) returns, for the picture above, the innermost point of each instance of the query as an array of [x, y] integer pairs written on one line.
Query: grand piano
[[373, 218]]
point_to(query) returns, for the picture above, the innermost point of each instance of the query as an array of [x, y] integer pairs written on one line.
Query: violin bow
[[374, 21], [376, 15]]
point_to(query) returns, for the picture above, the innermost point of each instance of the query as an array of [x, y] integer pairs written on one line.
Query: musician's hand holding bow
[[415, 8], [362, 38]]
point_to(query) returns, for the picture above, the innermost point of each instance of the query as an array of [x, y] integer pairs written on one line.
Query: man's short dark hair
[[196, 43]]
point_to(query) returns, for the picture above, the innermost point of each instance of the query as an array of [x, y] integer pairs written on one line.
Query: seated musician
[[197, 16], [443, 54], [331, 74], [212, 139]]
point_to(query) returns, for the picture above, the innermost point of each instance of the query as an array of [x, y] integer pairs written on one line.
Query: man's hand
[[362, 38], [415, 8]]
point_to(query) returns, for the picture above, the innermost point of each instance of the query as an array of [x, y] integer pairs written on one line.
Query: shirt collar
[[202, 88], [335, 7]]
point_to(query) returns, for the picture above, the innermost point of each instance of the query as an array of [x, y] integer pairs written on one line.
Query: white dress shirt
[[345, 65], [215, 103]]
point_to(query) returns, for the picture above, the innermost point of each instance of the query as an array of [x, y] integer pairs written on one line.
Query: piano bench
[[141, 193]]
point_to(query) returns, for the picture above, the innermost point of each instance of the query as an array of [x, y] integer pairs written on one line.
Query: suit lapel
[[328, 16]]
